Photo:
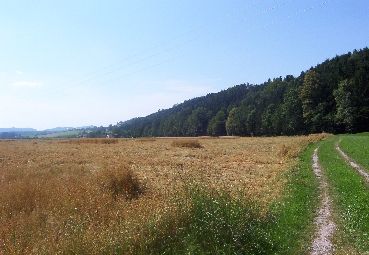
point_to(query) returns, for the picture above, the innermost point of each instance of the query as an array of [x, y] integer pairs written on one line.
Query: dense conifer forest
[[331, 97]]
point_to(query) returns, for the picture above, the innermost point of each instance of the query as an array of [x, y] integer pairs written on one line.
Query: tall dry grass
[[294, 150], [93, 198], [91, 140], [120, 181], [187, 143]]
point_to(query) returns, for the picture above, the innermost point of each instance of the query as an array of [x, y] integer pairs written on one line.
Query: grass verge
[[292, 230], [350, 194], [357, 147]]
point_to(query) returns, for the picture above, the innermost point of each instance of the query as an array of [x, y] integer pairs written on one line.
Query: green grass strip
[[292, 232], [350, 195], [357, 148]]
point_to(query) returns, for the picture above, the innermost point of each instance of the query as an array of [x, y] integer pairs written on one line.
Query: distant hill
[[330, 97], [17, 133], [58, 129], [59, 132], [13, 129], [75, 133]]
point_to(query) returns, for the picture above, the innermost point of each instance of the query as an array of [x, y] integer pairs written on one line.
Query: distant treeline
[[332, 97], [10, 135]]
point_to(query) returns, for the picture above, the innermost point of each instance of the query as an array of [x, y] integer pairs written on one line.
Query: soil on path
[[325, 226]]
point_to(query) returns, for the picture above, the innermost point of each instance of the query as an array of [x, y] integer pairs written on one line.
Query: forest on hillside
[[331, 97]]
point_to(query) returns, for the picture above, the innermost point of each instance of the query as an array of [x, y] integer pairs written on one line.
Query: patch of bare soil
[[325, 226], [353, 164]]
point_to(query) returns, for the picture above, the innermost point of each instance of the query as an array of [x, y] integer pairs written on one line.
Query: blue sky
[[77, 63]]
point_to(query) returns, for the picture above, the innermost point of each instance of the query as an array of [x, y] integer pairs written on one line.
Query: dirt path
[[353, 164], [325, 226]]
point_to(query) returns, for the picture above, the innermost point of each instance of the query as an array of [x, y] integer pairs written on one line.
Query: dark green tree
[[293, 122], [251, 126], [217, 125], [346, 110], [312, 95], [196, 124], [235, 122], [267, 120]]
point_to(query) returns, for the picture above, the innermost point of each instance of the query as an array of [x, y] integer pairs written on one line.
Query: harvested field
[[93, 197]]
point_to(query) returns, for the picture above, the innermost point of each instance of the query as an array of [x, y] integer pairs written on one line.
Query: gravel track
[[325, 226]]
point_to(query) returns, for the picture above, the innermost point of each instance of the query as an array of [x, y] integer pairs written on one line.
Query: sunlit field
[[106, 196]]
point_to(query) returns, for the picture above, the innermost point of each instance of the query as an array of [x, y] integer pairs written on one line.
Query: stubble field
[[96, 196]]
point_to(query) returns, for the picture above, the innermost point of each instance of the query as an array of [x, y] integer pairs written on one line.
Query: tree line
[[331, 97]]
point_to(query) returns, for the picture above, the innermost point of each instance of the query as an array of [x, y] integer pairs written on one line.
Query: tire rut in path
[[326, 227], [353, 164]]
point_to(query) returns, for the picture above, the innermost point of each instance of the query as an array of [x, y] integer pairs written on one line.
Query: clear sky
[[77, 63]]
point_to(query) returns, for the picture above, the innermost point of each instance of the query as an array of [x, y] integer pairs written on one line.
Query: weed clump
[[187, 143], [120, 182]]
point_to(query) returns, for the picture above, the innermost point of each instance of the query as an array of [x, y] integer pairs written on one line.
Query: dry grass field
[[94, 196]]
